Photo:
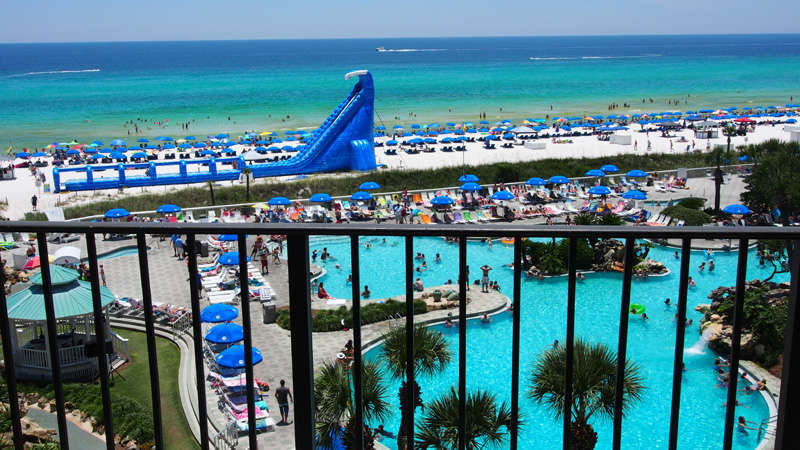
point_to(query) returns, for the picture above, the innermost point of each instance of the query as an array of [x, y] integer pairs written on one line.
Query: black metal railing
[[788, 420]]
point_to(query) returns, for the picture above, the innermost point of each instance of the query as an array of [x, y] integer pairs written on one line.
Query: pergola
[[72, 302]]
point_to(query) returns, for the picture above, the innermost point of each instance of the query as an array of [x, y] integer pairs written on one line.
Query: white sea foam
[[52, 72]]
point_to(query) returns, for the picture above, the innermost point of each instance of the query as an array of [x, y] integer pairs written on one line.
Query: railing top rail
[[483, 230]]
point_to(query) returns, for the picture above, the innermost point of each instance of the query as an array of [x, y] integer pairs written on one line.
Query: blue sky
[[117, 20]]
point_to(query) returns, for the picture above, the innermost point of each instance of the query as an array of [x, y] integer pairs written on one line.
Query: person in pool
[[448, 323], [676, 255], [365, 293], [701, 266], [438, 258], [380, 433], [485, 318], [691, 282], [743, 425], [668, 302], [418, 285], [711, 265]]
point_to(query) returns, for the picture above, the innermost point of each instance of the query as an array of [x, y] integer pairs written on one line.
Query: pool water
[[125, 251], [543, 320]]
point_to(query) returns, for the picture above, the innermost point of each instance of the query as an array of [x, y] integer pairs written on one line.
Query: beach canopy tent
[[471, 186], [599, 190], [168, 209], [558, 179], [233, 357], [535, 181], [361, 196], [279, 201], [230, 259], [320, 198], [706, 124], [468, 178], [610, 168], [595, 173], [737, 209], [634, 195], [66, 256], [502, 195], [117, 213], [225, 333], [218, 312], [442, 200], [636, 173], [369, 186]]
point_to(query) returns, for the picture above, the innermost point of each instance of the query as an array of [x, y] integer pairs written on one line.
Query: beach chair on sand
[[417, 199], [426, 219]]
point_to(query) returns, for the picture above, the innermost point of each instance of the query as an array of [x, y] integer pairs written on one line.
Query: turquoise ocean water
[[57, 92]]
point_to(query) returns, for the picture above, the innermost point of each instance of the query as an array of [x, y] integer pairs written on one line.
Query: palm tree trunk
[[406, 425], [583, 437], [211, 191], [349, 432]]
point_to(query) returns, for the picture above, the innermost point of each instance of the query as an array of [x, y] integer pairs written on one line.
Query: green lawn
[[136, 384]]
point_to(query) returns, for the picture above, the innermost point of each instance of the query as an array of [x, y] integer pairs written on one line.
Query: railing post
[[619, 391], [680, 332], [302, 355], [788, 431], [515, 335], [244, 293], [736, 338], [8, 354], [462, 342], [569, 344], [410, 374], [358, 438], [197, 338]]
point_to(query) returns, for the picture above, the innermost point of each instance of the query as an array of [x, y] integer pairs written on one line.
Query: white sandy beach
[[17, 193]]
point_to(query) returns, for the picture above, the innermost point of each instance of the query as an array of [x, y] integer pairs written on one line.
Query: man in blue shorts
[[283, 395]]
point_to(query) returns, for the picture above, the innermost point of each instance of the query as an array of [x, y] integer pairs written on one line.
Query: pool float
[[508, 241], [636, 308]]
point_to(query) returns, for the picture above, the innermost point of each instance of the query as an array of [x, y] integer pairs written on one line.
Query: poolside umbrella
[[637, 308], [225, 333], [279, 201], [73, 152], [228, 237], [636, 173], [558, 179], [23, 155], [502, 195], [369, 186], [320, 198], [634, 195], [65, 256], [468, 178], [595, 173], [218, 312], [380, 127], [536, 181], [117, 213], [361, 196], [471, 187], [599, 190], [737, 209], [442, 200], [233, 357], [168, 209], [39, 154], [230, 259], [610, 168], [743, 158]]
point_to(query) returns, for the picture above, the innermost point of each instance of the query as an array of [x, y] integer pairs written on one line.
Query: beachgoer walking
[[264, 263], [34, 201], [102, 275], [283, 395]]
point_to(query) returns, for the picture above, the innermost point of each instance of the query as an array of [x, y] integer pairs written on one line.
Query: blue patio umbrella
[[361, 196], [536, 181], [636, 173], [208, 153], [168, 209], [471, 186], [398, 127], [139, 155], [116, 213], [39, 154], [118, 143], [320, 198], [380, 127], [442, 200], [200, 145], [429, 140], [117, 155], [143, 140], [233, 357], [279, 201], [190, 138], [23, 155], [225, 333], [229, 151], [599, 190], [737, 209], [97, 143], [228, 237], [610, 168], [743, 158], [595, 173], [218, 312], [634, 195], [222, 136], [73, 152], [95, 157], [391, 142], [287, 148], [90, 150], [184, 145], [558, 179], [165, 139], [502, 195], [230, 259], [369, 186], [415, 126]]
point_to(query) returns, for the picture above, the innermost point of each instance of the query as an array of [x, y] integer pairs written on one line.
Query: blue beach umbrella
[[442, 200], [190, 138], [139, 155], [97, 156], [380, 127], [361, 196], [222, 136], [225, 333], [208, 153], [233, 357], [39, 154], [558, 179], [536, 181], [398, 127], [502, 195], [634, 195], [737, 209], [73, 152], [118, 143], [610, 168], [599, 190], [230, 259], [636, 173], [165, 138], [369, 186], [471, 186], [595, 173], [23, 155], [391, 142], [168, 209], [117, 155], [320, 198], [228, 237], [143, 140], [219, 312], [88, 151], [117, 213], [279, 201], [97, 143], [200, 145], [229, 151], [415, 126]]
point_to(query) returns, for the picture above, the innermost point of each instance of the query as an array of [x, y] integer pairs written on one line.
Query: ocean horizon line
[[370, 38]]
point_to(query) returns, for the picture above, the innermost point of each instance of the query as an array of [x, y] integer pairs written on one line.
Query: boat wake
[[579, 58], [409, 50], [52, 72]]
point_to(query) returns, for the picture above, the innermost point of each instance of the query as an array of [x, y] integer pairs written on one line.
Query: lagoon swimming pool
[[543, 319]]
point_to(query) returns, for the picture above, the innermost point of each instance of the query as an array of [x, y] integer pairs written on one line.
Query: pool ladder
[[764, 425]]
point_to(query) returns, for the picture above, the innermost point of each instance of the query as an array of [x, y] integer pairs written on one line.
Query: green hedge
[[693, 202], [331, 319], [692, 217]]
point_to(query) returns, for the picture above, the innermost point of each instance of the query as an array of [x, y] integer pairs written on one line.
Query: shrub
[[764, 317], [36, 216], [692, 202], [331, 320], [553, 259], [691, 217]]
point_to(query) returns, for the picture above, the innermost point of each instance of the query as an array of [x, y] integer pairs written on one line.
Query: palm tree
[[431, 355], [333, 397], [246, 172], [593, 384], [486, 423], [211, 190]]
